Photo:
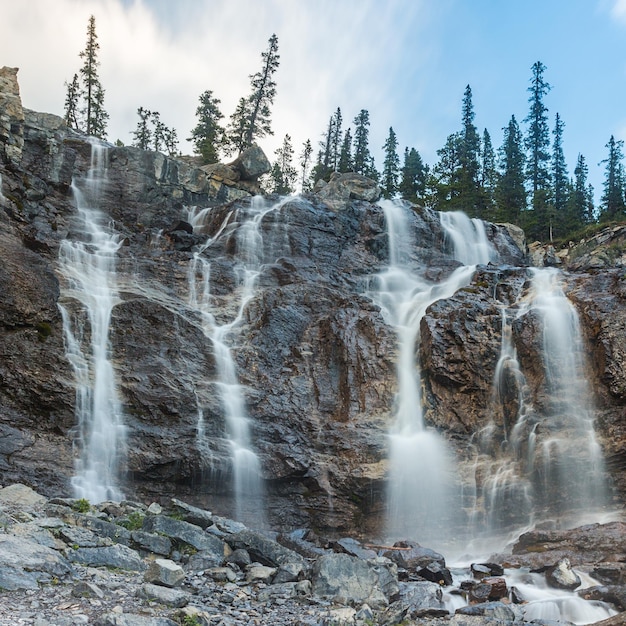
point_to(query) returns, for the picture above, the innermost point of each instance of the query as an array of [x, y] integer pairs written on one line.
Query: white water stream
[[251, 252], [88, 294]]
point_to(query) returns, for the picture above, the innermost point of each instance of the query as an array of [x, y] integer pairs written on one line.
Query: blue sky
[[406, 61]]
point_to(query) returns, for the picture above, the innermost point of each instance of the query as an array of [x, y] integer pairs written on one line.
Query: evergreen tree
[[488, 178], [362, 159], [468, 193], [71, 103], [579, 209], [208, 135], [413, 177], [443, 183], [236, 131], [560, 185], [323, 167], [538, 144], [258, 123], [345, 156], [142, 135], [93, 95], [158, 135], [283, 174], [305, 165], [612, 204], [335, 141], [510, 192], [391, 166]]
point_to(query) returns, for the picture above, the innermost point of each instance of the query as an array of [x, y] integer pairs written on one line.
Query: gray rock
[[562, 576], [164, 595], [289, 572], [130, 619], [263, 549], [251, 163], [19, 497], [82, 537], [203, 560], [284, 590], [421, 599], [86, 589], [494, 610], [345, 187], [192, 514], [117, 555], [184, 531], [221, 574], [164, 572], [348, 580], [259, 573], [240, 557], [157, 544]]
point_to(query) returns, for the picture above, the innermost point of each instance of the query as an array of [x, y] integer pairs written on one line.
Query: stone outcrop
[[313, 352]]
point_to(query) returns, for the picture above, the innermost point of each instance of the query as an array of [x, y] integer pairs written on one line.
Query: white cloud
[[618, 10], [162, 55]]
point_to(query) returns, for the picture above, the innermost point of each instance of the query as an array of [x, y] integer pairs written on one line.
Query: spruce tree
[[362, 159], [538, 145], [236, 131], [283, 174], [258, 123], [413, 178], [142, 135], [391, 165], [488, 178], [323, 168], [579, 209], [305, 165], [443, 183], [468, 193], [612, 203], [72, 111], [92, 92], [335, 142], [510, 192], [345, 156], [208, 134], [559, 181]]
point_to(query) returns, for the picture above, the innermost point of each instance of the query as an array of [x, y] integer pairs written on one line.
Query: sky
[[406, 61]]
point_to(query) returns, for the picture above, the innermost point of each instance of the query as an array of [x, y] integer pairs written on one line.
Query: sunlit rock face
[[314, 355]]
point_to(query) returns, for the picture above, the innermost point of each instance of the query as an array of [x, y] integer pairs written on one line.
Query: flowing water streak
[[468, 237], [568, 457], [88, 267], [250, 254], [422, 499]]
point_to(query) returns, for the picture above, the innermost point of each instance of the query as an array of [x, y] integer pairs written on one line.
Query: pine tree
[[612, 203], [283, 174], [71, 103], [93, 95], [413, 179], [323, 168], [362, 160], [443, 183], [305, 165], [208, 135], [236, 131], [510, 192], [579, 209], [557, 215], [142, 135], [391, 165], [538, 144], [488, 178], [468, 196], [258, 123], [335, 142], [345, 156]]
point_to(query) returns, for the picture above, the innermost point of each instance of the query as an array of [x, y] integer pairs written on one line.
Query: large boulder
[[350, 186], [251, 163]]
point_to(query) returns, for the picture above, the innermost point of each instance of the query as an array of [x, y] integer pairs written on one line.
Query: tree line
[[524, 182]]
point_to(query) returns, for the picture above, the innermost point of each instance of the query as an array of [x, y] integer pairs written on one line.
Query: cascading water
[[549, 465], [88, 295], [423, 502], [468, 237], [250, 255]]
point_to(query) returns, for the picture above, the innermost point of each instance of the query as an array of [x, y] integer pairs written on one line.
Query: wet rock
[[344, 187], [192, 514], [482, 570], [562, 576], [614, 594], [492, 610], [436, 573]]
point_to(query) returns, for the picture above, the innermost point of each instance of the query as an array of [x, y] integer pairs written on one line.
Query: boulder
[[345, 187], [251, 163], [562, 576], [264, 550], [349, 580], [117, 555], [164, 572], [185, 532], [164, 595]]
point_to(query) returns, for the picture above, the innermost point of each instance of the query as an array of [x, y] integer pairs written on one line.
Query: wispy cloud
[[618, 10]]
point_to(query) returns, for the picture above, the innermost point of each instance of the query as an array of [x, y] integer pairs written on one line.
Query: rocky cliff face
[[313, 353]]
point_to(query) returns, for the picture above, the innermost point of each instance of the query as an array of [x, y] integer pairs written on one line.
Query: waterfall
[[549, 465], [88, 294], [468, 237], [423, 502], [250, 255]]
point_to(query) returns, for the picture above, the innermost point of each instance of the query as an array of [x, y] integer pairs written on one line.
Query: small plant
[[134, 521], [81, 506]]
